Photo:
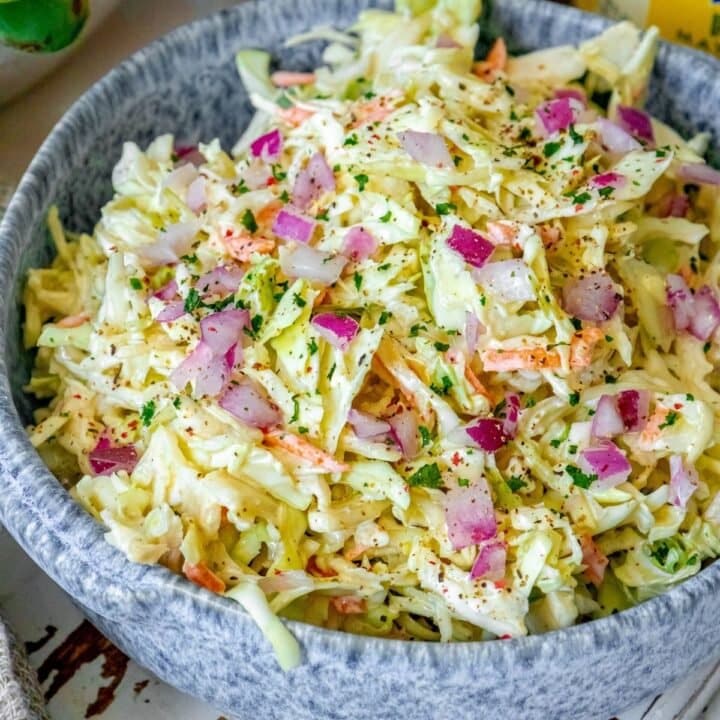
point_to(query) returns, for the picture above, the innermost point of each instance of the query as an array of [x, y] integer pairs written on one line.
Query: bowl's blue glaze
[[186, 84]]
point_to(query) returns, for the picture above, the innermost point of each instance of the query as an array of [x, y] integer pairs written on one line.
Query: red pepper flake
[[501, 584], [312, 568], [456, 459], [271, 181]]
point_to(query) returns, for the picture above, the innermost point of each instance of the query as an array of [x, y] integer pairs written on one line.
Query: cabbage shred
[[366, 549]]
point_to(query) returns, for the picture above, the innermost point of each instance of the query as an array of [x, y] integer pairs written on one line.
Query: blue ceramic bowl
[[186, 84]]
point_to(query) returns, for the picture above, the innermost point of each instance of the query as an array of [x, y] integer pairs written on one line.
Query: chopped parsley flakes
[[670, 419], [362, 180], [249, 222], [427, 476], [579, 478], [147, 413]]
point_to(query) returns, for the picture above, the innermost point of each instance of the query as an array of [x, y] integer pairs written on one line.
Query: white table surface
[[32, 603]]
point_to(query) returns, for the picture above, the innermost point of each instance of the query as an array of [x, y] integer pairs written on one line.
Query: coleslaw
[[430, 355]]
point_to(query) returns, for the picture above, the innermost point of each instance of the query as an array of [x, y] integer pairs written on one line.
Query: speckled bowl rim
[[147, 581]]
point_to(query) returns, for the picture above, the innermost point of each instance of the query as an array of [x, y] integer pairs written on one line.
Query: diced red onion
[[593, 298], [234, 356], [172, 311], [634, 407], [556, 115], [190, 154], [637, 123], [572, 94], [474, 248], [367, 426], [680, 300], [614, 138], [222, 330], [699, 173], [359, 244], [267, 147], [445, 41], [293, 226], [179, 179], [307, 262], [512, 415], [487, 434], [212, 378], [683, 481], [404, 430], [317, 177], [510, 280], [705, 316], [106, 459], [220, 281], [167, 292], [170, 245], [250, 404], [699, 313], [469, 514], [338, 330], [195, 198], [607, 461], [473, 329], [490, 561], [427, 148], [608, 179], [607, 422], [202, 365]]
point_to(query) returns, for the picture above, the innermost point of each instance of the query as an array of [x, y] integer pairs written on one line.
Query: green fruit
[[42, 25]]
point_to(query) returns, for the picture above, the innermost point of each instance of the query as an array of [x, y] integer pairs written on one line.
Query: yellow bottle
[[691, 22]]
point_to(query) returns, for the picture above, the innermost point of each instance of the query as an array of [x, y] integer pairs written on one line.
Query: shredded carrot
[[498, 55], [652, 430], [354, 552], [241, 246], [266, 216], [294, 116], [687, 275], [549, 235], [297, 445], [375, 110], [594, 560], [535, 358], [582, 346], [502, 233], [73, 321], [201, 575], [477, 385], [494, 62], [312, 568], [283, 78], [349, 604]]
